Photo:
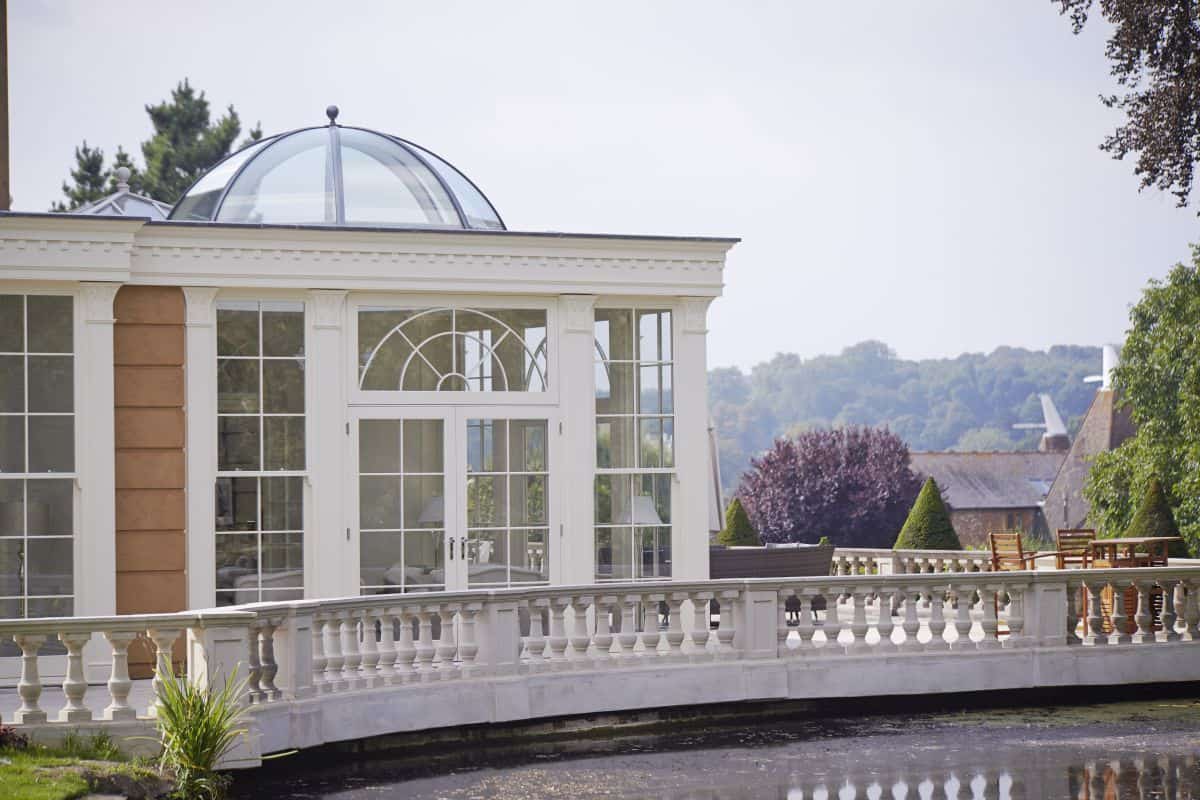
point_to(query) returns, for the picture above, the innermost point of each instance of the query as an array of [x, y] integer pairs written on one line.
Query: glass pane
[[50, 566], [237, 567], [528, 556], [283, 329], [282, 504], [387, 185], [614, 554], [614, 388], [424, 446], [12, 508], [237, 443], [423, 559], [51, 607], [528, 499], [12, 567], [484, 436], [12, 323], [649, 390], [51, 507], [614, 334], [527, 445], [12, 444], [237, 329], [51, 444], [378, 502], [615, 442], [650, 450], [654, 335], [652, 503], [379, 559], [282, 561], [379, 445], [51, 384], [200, 202], [612, 499], [668, 395], [487, 557], [237, 504], [655, 552], [51, 324], [668, 442], [283, 445], [290, 182], [486, 501], [382, 352], [479, 211], [237, 385], [424, 504], [12, 383], [283, 387]]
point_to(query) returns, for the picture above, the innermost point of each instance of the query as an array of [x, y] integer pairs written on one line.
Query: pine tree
[[738, 531], [88, 179], [185, 144], [1154, 518], [928, 526]]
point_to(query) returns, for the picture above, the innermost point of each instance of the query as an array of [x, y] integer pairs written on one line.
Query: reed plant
[[198, 727]]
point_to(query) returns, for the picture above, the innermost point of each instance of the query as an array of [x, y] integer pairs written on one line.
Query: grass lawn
[[78, 767]]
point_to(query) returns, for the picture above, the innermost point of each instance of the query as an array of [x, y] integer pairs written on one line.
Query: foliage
[[928, 525], [1159, 380], [1154, 53], [1154, 518], [78, 767], [184, 145], [198, 726], [738, 531], [99, 747], [12, 739], [967, 403], [851, 484]]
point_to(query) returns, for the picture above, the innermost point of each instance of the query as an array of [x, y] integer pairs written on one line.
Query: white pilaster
[[689, 497], [200, 410], [576, 552], [96, 540], [330, 562]]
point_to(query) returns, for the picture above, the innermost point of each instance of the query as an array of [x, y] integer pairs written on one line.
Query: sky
[[923, 173]]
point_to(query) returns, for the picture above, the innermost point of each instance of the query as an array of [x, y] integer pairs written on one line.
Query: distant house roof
[[991, 480], [124, 203]]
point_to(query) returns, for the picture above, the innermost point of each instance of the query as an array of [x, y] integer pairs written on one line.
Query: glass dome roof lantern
[[337, 175]]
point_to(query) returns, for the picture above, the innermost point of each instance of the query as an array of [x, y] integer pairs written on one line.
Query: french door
[[451, 498]]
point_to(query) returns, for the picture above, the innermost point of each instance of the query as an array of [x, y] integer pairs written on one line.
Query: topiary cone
[[928, 526], [738, 531], [1154, 518]]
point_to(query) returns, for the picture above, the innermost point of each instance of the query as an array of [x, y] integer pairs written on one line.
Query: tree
[[1159, 381], [738, 531], [852, 484], [1154, 518], [928, 526], [89, 179], [1154, 53]]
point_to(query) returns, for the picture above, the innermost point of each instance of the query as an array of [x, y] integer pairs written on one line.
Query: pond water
[[1148, 749]]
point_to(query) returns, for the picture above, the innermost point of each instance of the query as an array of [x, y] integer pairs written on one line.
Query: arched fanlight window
[[452, 350]]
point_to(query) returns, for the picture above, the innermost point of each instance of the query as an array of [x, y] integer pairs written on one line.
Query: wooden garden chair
[[1073, 548], [1008, 554]]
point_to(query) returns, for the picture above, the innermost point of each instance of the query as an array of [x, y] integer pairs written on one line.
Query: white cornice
[[66, 248]]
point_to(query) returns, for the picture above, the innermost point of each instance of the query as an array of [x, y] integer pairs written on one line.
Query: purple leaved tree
[[851, 484]]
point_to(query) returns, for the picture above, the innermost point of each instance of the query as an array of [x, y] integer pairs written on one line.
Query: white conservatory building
[[332, 370]]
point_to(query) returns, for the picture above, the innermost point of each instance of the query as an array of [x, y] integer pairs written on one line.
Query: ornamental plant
[[1154, 518], [198, 726], [928, 526], [738, 531]]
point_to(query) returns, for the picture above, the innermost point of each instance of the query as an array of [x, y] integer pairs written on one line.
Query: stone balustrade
[[323, 670], [878, 561]]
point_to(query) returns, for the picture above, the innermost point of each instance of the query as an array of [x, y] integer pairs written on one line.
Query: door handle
[[451, 548]]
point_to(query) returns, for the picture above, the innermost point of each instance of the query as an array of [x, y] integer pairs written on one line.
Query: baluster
[[912, 623], [266, 655], [74, 684], [991, 621], [1191, 611], [424, 645], [650, 634], [962, 618], [1121, 622], [254, 671], [725, 628], [886, 624], [333, 655], [387, 648], [700, 626], [468, 647], [627, 638], [29, 687], [937, 621], [318, 654], [558, 632], [806, 626], [1016, 617], [578, 636], [858, 625], [675, 626], [164, 640], [119, 684], [1168, 632], [1073, 593], [602, 652], [371, 676], [535, 644], [781, 623], [351, 654], [1095, 623], [406, 650], [1144, 619], [833, 623], [447, 646]]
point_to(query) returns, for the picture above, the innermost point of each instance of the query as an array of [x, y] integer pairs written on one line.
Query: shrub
[[10, 739], [198, 726], [928, 526], [1154, 518], [738, 531]]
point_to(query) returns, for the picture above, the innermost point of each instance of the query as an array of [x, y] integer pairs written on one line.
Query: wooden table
[[1123, 553]]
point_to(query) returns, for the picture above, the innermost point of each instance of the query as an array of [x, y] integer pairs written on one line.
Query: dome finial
[[331, 112], [123, 174]]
